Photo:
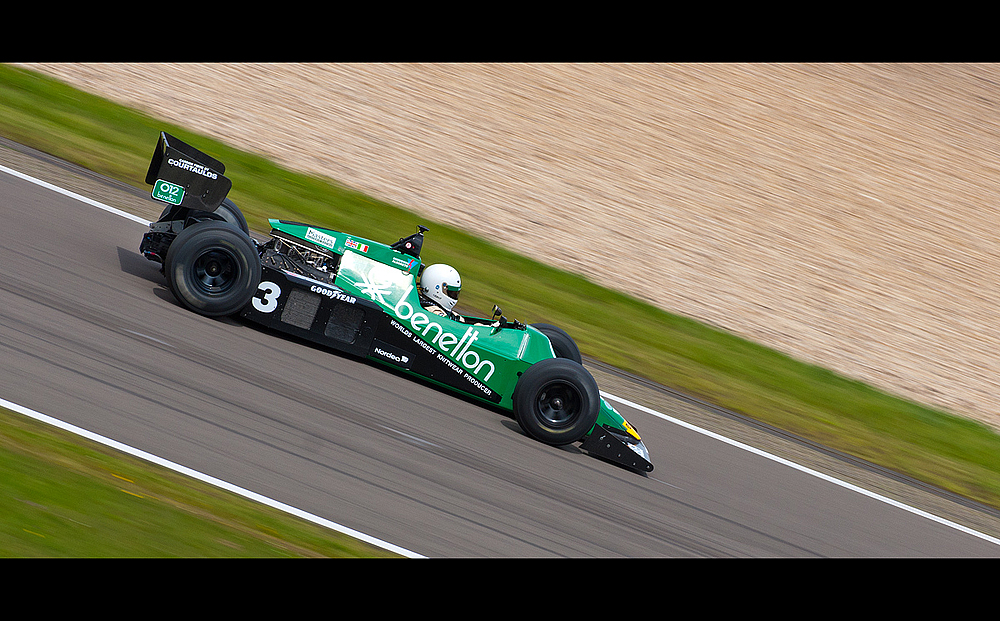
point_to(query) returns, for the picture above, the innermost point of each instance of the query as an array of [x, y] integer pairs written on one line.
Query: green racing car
[[361, 297]]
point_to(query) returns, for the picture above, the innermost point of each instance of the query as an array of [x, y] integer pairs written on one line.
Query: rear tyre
[[562, 343], [556, 401], [212, 268], [229, 212]]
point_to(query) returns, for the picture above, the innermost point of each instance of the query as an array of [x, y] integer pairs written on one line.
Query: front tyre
[[212, 268], [556, 401], [563, 344]]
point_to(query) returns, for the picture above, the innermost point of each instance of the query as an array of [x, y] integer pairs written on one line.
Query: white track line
[[82, 199], [159, 461], [353, 533], [163, 462], [800, 468]]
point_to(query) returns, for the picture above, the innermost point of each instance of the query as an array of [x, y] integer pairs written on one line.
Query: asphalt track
[[90, 335]]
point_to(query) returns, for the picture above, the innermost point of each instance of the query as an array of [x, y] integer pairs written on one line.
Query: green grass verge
[[952, 452], [65, 497]]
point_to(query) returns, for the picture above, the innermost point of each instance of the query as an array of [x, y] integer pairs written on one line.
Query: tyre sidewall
[[229, 212], [198, 239], [540, 377]]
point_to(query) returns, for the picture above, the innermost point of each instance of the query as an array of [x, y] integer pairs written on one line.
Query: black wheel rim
[[558, 404], [215, 271]]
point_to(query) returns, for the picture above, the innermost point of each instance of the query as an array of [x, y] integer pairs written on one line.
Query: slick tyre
[[562, 343], [556, 401], [229, 212], [212, 268]]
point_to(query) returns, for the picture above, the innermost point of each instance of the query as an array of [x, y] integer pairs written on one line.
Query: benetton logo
[[458, 348]]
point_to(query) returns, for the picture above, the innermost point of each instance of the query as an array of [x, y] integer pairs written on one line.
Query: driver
[[439, 287]]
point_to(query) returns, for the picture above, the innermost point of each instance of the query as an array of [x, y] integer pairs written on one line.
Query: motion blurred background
[[843, 214]]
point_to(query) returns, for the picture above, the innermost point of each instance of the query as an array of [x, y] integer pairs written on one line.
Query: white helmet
[[442, 284]]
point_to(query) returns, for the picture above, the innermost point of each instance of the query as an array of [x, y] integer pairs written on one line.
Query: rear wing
[[184, 176]]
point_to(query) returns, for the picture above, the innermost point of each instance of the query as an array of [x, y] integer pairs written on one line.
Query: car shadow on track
[[135, 264]]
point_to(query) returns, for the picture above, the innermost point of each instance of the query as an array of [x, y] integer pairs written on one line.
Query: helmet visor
[[452, 292]]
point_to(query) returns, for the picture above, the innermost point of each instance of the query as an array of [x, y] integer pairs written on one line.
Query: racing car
[[360, 297]]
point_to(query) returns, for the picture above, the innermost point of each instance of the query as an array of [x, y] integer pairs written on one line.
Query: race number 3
[[268, 302]]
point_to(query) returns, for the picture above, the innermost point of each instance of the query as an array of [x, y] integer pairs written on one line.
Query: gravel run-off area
[[843, 214]]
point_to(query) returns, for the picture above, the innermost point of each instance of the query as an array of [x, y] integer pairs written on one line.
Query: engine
[[288, 253]]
